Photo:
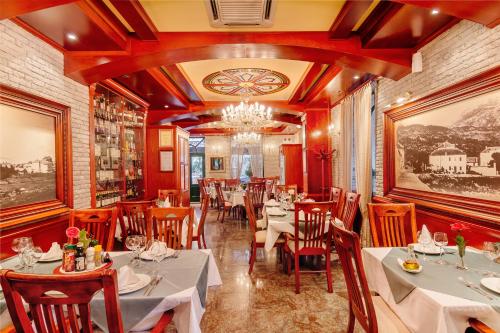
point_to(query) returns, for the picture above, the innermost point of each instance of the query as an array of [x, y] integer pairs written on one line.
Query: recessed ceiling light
[[166, 106], [400, 100], [71, 36], [355, 77], [435, 11]]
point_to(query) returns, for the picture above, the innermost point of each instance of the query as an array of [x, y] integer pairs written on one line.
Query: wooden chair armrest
[[479, 326]]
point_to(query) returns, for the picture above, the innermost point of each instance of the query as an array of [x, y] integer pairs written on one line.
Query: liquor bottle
[[79, 258]]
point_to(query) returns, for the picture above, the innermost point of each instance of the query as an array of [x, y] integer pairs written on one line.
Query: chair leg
[[297, 274], [223, 214], [289, 264], [328, 273], [204, 243], [199, 242], [252, 257], [350, 327], [218, 213]]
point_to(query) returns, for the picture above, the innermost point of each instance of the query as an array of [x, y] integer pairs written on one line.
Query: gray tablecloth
[[440, 278], [190, 269]]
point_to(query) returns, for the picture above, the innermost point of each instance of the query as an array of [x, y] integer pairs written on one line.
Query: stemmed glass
[[491, 253], [19, 245], [132, 243], [441, 240], [424, 241], [141, 247]]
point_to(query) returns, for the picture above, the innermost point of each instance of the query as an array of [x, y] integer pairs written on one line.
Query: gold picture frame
[[166, 138]]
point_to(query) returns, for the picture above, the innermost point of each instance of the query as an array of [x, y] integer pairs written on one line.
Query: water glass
[[491, 253], [19, 245], [132, 243], [441, 240], [31, 256]]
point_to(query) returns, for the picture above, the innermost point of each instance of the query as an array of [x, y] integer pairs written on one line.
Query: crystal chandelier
[[247, 138], [246, 115]]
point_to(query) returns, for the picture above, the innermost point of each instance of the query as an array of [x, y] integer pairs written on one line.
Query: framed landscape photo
[[35, 155], [217, 164], [445, 148]]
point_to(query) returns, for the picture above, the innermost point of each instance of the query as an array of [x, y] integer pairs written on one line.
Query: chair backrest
[[53, 312], [270, 187], [257, 179], [231, 184], [388, 224], [285, 188], [135, 212], [249, 208], [205, 202], [174, 196], [166, 225], [349, 251], [313, 227], [337, 197], [220, 194], [350, 210], [100, 223], [204, 188], [256, 191]]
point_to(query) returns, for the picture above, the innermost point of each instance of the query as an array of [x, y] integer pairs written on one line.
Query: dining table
[[183, 287], [441, 297]]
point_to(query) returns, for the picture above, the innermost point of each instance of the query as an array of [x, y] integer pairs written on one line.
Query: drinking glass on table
[[141, 247], [441, 240], [132, 243], [424, 240], [19, 245], [31, 256], [491, 253]]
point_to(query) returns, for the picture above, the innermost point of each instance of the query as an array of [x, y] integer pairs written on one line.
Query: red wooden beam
[[382, 14], [312, 75], [180, 79], [102, 16], [12, 8], [275, 105], [349, 15], [133, 12], [175, 47], [169, 86], [321, 84], [483, 12]]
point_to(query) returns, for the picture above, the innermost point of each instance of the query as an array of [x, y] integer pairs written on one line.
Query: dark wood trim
[[121, 90], [328, 75], [168, 85], [13, 8], [347, 18], [382, 14], [437, 33], [135, 15], [312, 76], [180, 79], [64, 171], [37, 34], [479, 209], [93, 187]]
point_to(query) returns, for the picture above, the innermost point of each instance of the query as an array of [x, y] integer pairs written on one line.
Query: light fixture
[[404, 98], [331, 127], [355, 77], [71, 36], [435, 11], [166, 106], [316, 133], [246, 115], [298, 126], [247, 139]]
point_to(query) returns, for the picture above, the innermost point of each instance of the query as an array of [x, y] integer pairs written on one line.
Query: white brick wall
[[218, 146], [463, 51], [29, 64]]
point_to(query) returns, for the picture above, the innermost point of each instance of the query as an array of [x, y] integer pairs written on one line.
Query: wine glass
[[441, 240], [490, 252], [141, 247], [424, 241], [31, 256], [132, 243], [19, 245]]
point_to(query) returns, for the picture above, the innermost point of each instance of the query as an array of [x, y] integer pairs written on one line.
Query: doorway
[[197, 165]]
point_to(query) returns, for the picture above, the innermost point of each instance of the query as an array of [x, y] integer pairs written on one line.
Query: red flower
[[459, 227], [72, 232]]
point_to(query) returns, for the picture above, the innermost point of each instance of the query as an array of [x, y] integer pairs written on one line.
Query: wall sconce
[[406, 97], [331, 128], [316, 133]]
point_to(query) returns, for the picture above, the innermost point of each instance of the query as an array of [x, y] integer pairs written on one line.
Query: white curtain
[[236, 160], [256, 159], [345, 145], [362, 137]]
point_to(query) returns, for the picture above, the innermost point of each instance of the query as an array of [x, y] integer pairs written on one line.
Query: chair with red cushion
[[100, 223], [310, 238]]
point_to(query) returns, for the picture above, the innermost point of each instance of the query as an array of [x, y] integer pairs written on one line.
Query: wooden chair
[[284, 189], [135, 213], [231, 184], [258, 236], [337, 197], [222, 204], [165, 225], [199, 233], [372, 313], [314, 241], [350, 209], [256, 191], [388, 224], [270, 188], [100, 223], [257, 179], [477, 326], [174, 196]]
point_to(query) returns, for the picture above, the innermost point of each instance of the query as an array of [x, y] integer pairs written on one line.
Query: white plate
[[413, 271], [430, 249], [491, 283], [144, 280], [146, 256]]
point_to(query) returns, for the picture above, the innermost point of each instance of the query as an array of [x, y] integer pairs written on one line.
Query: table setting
[[152, 279], [444, 284]]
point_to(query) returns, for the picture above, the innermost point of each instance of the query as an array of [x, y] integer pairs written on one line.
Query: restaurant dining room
[[249, 166]]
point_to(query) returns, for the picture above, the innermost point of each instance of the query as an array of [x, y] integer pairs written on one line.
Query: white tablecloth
[[425, 311]]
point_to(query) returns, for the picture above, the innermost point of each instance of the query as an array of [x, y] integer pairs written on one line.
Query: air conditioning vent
[[237, 13]]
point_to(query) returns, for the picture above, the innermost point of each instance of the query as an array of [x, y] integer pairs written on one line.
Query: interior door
[[197, 163]]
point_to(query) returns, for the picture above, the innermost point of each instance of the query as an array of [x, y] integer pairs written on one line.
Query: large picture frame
[[55, 167], [443, 172], [217, 164]]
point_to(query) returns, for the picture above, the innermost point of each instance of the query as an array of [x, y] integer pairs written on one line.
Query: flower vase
[[461, 255]]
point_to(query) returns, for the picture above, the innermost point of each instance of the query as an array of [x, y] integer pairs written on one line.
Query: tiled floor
[[266, 301]]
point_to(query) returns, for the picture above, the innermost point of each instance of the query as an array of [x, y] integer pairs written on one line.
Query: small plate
[[146, 256], [413, 271], [492, 283], [432, 250], [144, 281]]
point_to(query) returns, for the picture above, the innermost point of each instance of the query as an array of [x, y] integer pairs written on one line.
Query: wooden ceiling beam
[[310, 78], [104, 19], [168, 85], [135, 15], [181, 80], [382, 14], [13, 8], [232, 131], [321, 83], [349, 15], [175, 47], [483, 12], [275, 105]]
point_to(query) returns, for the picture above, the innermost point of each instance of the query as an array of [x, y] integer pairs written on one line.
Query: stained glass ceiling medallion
[[246, 82]]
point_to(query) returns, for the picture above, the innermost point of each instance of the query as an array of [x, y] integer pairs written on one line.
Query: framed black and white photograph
[[217, 164]]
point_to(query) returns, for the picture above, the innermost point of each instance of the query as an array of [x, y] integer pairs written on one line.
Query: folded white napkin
[[425, 235], [276, 211], [309, 200], [339, 223], [158, 249], [127, 278], [271, 202], [53, 253]]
